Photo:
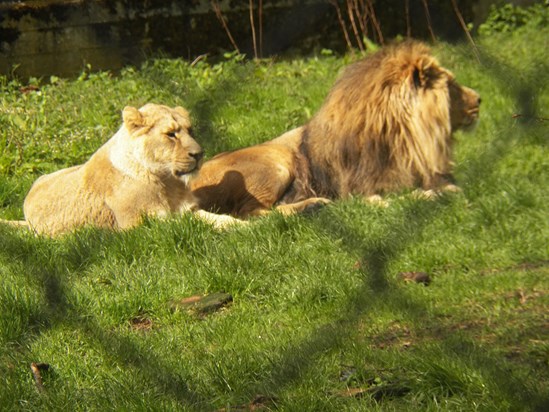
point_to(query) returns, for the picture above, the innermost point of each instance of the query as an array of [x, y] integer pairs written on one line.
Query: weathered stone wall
[[39, 38], [60, 37]]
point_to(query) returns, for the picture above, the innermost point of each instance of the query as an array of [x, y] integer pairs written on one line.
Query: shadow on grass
[[205, 103], [376, 288], [41, 259]]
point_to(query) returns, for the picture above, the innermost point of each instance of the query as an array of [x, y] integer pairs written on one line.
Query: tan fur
[[144, 169], [386, 125]]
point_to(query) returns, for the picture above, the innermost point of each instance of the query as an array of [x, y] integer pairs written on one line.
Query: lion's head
[[387, 124], [160, 141]]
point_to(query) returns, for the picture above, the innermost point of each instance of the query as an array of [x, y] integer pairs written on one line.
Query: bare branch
[[408, 23], [219, 15], [342, 23], [428, 16], [252, 25], [467, 32], [350, 11], [375, 22]]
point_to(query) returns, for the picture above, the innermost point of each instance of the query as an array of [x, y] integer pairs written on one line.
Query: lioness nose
[[197, 155]]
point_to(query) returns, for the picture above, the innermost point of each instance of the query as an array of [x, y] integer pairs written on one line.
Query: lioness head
[[163, 140]]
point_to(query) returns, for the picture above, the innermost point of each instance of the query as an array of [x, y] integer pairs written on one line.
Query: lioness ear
[[133, 119], [183, 112]]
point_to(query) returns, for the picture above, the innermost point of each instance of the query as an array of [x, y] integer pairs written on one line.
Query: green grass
[[320, 318]]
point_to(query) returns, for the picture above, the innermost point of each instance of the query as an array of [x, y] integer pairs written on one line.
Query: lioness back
[[60, 201]]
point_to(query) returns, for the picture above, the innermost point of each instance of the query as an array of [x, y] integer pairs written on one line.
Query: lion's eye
[[172, 134]]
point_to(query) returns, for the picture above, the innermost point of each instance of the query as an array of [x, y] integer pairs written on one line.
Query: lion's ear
[[423, 72], [133, 119], [417, 77]]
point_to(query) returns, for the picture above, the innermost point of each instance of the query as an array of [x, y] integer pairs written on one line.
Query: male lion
[[144, 169], [386, 125]]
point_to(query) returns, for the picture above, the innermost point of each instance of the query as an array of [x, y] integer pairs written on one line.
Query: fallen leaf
[[37, 368], [418, 277], [203, 305], [260, 402]]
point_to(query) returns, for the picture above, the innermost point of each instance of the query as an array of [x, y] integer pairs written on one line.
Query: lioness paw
[[220, 221]]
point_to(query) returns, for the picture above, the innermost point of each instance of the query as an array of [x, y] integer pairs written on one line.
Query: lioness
[[386, 125], [144, 169]]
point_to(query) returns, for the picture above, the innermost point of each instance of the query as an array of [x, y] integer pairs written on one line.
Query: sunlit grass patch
[[320, 316]]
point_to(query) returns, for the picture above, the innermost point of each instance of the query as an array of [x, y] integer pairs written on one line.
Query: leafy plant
[[508, 18]]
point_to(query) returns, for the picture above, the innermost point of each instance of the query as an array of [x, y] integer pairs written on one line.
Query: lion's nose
[[479, 101], [197, 155]]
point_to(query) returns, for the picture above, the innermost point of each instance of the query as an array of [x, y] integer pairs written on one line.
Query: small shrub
[[508, 18]]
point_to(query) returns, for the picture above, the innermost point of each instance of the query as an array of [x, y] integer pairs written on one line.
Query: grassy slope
[[319, 310]]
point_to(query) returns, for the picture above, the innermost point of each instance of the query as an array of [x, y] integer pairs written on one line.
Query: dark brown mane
[[379, 129]]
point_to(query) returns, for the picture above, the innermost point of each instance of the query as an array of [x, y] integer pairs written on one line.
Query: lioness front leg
[[310, 204], [218, 221]]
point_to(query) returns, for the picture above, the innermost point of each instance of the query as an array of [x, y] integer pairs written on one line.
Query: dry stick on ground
[[219, 15], [252, 25], [519, 116], [375, 22], [342, 23], [351, 13], [428, 16], [462, 22]]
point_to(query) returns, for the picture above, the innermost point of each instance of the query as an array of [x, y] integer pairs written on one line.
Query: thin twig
[[252, 25], [408, 23], [219, 15], [199, 58], [260, 28], [428, 17], [521, 116], [467, 32], [342, 23], [351, 13], [375, 22], [362, 14]]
